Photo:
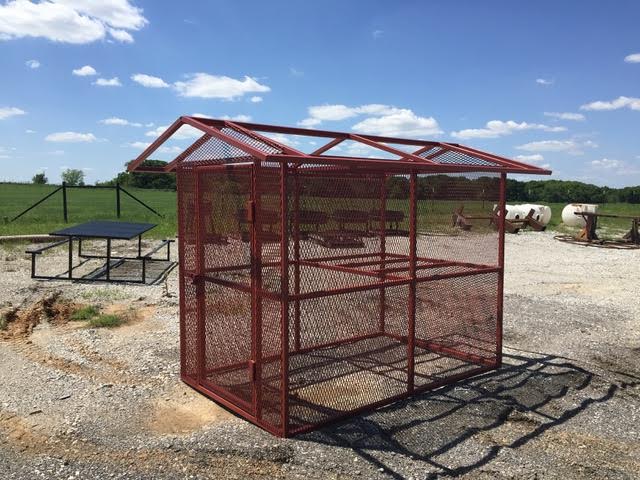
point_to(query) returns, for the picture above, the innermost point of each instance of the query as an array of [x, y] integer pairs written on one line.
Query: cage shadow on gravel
[[438, 429]]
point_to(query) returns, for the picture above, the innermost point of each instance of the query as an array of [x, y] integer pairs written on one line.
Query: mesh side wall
[[228, 343], [455, 320], [224, 230], [271, 375], [358, 367], [439, 197], [185, 179]]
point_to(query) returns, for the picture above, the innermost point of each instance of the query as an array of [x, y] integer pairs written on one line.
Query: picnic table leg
[[70, 274], [139, 246], [108, 259]]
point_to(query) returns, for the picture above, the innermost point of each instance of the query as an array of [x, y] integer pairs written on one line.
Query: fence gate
[[226, 342]]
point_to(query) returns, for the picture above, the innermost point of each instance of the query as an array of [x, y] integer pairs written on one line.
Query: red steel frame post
[[284, 302], [296, 260], [256, 288], [411, 334], [199, 280], [383, 247], [181, 268], [500, 299]]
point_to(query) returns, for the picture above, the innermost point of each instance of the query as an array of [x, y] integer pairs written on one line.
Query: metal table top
[[105, 229]]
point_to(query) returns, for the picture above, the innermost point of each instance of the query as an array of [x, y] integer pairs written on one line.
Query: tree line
[[397, 186]]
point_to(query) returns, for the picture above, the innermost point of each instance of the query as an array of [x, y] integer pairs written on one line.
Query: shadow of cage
[[462, 427]]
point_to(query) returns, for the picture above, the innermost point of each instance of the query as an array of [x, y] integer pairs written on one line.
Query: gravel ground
[[77, 402]]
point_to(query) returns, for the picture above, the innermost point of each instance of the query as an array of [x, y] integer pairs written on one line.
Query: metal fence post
[[118, 200], [64, 202]]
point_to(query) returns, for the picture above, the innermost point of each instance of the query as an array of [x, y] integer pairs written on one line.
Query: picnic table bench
[[104, 230]]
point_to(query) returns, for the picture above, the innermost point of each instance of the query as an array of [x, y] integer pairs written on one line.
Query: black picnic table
[[105, 230]]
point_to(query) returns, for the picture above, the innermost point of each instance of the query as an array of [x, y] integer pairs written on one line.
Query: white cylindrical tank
[[515, 212], [569, 216], [541, 213]]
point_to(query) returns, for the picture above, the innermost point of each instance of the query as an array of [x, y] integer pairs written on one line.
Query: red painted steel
[[314, 287]]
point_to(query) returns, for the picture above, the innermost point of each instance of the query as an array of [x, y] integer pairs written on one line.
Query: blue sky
[[551, 83]]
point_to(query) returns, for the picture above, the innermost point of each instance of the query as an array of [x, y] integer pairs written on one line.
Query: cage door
[[227, 341]]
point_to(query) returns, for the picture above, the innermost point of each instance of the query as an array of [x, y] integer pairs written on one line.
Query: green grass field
[[94, 204], [83, 205]]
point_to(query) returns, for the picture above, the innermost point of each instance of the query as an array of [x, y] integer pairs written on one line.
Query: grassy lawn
[[85, 205]]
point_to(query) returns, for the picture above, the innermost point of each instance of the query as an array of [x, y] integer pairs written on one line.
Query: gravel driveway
[[87, 403]]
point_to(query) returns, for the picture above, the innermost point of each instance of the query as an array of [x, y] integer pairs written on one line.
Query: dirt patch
[[184, 411], [21, 320]]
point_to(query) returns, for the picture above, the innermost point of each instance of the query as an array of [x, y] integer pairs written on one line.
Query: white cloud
[[617, 167], [204, 85], [121, 35], [633, 58], [85, 71], [57, 153], [281, 138], [29, 131], [163, 149], [119, 121], [334, 113], [606, 163], [571, 147], [255, 99], [185, 132], [70, 21], [138, 145], [383, 119], [172, 150], [536, 157], [400, 123], [565, 116], [544, 81], [149, 81], [71, 137], [377, 33], [237, 118], [6, 112], [498, 128], [32, 64], [108, 82], [620, 102], [295, 72]]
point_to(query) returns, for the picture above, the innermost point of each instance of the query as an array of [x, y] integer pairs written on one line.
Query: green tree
[[40, 179], [73, 177]]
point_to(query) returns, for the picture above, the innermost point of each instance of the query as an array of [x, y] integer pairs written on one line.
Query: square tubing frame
[[253, 410]]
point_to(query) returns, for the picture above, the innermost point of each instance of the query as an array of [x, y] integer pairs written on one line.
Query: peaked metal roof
[[226, 141]]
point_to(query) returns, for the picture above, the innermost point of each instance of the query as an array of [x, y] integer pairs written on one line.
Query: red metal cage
[[317, 285]]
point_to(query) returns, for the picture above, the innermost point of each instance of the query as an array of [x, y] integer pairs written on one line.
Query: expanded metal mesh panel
[[368, 308], [212, 150], [270, 373], [265, 146], [456, 319], [329, 382], [442, 234], [446, 156], [189, 330], [227, 343], [224, 228]]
